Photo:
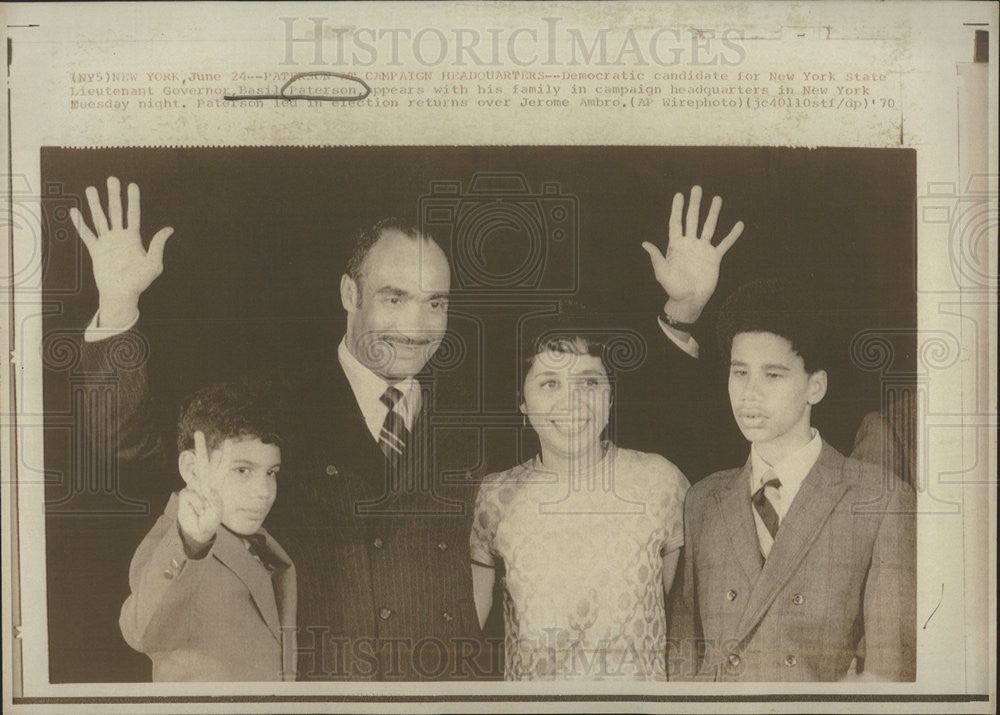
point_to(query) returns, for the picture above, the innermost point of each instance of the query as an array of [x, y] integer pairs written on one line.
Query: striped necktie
[[763, 501], [394, 435]]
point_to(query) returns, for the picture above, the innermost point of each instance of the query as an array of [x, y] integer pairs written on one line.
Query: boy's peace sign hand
[[123, 269], [200, 508], [689, 269]]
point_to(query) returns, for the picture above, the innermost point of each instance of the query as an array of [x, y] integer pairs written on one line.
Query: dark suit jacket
[[840, 580], [218, 618], [385, 586]]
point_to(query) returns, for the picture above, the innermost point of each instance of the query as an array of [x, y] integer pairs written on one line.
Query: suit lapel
[[821, 491], [430, 450], [358, 462], [734, 505], [231, 551], [283, 580], [286, 599], [353, 442]]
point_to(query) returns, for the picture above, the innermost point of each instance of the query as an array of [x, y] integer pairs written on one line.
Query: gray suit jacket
[[840, 580], [218, 618]]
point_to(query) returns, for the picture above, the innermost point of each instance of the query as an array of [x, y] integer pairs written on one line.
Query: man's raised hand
[[123, 269], [689, 269], [200, 507]]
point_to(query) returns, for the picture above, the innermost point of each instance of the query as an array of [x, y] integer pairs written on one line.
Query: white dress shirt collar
[[368, 389], [792, 470]]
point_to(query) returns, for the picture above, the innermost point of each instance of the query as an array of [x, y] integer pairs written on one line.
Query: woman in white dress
[[589, 533]]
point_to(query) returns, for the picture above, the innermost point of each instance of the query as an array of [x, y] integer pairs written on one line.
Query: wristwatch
[[674, 323]]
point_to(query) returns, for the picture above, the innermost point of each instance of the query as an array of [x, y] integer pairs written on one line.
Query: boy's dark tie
[[394, 435], [257, 546], [765, 509]]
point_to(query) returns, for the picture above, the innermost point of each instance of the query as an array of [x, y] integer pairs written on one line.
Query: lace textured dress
[[583, 589]]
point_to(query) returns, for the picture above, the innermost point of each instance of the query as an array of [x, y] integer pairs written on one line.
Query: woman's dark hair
[[571, 331]]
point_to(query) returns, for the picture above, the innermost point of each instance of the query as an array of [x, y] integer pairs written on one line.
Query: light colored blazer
[[218, 618], [840, 580]]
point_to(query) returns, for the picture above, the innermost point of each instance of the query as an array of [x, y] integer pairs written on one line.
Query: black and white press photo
[[479, 413], [433, 357]]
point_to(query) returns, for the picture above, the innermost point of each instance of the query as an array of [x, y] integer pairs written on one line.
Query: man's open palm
[[688, 270], [123, 269]]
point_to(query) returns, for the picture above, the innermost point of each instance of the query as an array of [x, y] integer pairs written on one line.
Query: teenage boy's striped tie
[[761, 500]]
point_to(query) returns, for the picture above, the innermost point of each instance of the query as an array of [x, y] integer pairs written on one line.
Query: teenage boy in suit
[[213, 594], [799, 565]]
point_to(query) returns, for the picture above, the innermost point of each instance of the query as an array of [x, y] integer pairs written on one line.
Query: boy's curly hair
[[239, 409]]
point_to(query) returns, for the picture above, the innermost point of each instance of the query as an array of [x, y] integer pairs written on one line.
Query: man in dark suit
[[376, 510], [379, 511]]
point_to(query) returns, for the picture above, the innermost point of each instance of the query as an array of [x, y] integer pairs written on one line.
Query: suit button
[[378, 543], [385, 613], [798, 599], [168, 574], [731, 595], [790, 661], [447, 616], [174, 565], [331, 470], [442, 546], [734, 659]]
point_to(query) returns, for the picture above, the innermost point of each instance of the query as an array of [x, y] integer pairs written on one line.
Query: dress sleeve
[[484, 524], [677, 486]]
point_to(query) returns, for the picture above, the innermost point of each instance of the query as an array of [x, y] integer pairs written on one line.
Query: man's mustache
[[407, 340]]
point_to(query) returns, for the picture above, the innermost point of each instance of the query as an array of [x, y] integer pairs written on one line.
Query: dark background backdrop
[[251, 284]]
